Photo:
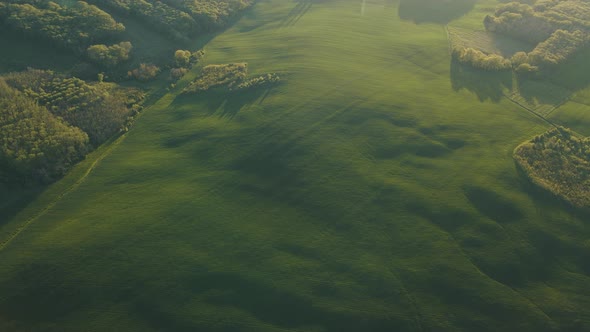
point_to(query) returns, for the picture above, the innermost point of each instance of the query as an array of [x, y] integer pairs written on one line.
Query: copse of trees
[[109, 56], [559, 162], [262, 80], [75, 27], [480, 60], [213, 76], [35, 145]]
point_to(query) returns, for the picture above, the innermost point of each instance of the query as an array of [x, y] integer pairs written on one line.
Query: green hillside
[[372, 189]]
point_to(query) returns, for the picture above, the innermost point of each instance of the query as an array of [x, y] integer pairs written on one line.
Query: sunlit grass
[[365, 192]]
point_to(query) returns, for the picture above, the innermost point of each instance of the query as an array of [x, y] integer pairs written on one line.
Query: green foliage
[[157, 14], [360, 195], [182, 58], [218, 75], [259, 81], [75, 27], [559, 29], [558, 161], [537, 23], [35, 144], [101, 110], [558, 48], [145, 72], [177, 73], [109, 56], [210, 15], [480, 60]]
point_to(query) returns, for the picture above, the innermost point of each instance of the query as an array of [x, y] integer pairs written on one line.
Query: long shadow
[[220, 102], [568, 77], [296, 13], [434, 11], [14, 198], [282, 308], [573, 75], [485, 85], [492, 205]]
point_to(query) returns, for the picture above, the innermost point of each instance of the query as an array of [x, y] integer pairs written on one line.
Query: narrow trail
[[25, 224], [68, 190]]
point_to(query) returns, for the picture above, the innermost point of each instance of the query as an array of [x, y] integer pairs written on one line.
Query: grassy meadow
[[373, 189]]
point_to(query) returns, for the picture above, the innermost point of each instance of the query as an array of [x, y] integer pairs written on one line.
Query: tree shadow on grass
[[223, 103], [492, 205], [485, 85], [434, 11], [266, 302], [296, 13], [15, 197]]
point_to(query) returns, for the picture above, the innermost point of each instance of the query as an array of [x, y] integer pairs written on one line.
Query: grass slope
[[365, 193]]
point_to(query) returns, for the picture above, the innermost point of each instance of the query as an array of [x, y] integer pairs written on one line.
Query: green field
[[373, 189]]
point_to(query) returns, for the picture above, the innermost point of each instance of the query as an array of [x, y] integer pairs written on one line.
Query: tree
[[182, 58], [145, 72], [109, 56]]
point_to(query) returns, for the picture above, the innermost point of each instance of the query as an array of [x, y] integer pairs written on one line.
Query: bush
[[177, 73], [218, 75], [259, 81], [182, 58], [145, 72]]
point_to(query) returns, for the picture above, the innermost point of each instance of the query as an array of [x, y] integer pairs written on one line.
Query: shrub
[[259, 81], [177, 73], [144, 72], [218, 75]]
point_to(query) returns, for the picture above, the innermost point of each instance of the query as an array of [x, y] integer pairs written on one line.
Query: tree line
[[232, 76]]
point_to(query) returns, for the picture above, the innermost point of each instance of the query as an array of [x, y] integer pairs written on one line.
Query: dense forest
[[558, 161], [50, 121], [559, 29], [95, 30], [35, 144]]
